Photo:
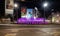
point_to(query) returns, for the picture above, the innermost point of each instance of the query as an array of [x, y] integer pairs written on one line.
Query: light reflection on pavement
[[30, 32]]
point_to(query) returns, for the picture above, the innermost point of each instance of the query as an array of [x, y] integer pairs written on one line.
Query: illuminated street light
[[16, 9], [45, 4], [15, 5]]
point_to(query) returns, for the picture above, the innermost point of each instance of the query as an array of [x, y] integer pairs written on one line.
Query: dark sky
[[2, 8]]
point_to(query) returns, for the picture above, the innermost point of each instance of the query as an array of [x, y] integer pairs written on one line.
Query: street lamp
[[15, 5], [16, 9], [45, 5]]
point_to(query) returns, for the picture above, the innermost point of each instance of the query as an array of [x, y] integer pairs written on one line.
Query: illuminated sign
[[9, 6], [29, 13]]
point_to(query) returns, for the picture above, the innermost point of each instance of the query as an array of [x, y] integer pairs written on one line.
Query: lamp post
[[16, 9], [45, 5]]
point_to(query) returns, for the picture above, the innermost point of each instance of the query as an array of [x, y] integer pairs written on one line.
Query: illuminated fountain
[[32, 21], [30, 18]]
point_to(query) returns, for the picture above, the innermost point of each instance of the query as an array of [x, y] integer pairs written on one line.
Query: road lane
[[29, 30], [5, 26]]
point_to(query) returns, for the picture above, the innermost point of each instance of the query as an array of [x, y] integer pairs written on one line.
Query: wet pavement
[[29, 30]]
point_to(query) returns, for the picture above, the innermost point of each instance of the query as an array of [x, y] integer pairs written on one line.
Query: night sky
[[53, 4], [2, 8]]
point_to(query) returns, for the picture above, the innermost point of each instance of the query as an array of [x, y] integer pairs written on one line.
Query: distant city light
[[57, 14], [15, 5], [52, 10], [57, 21], [53, 19], [45, 4], [52, 13], [22, 0], [36, 8]]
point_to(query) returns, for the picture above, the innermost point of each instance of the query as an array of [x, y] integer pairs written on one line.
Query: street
[[29, 18], [29, 30]]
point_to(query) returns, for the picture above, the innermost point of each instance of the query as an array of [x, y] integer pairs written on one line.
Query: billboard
[[9, 6], [26, 13], [23, 12], [29, 13]]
